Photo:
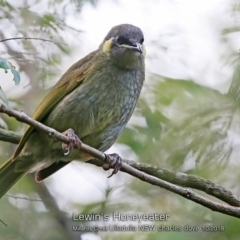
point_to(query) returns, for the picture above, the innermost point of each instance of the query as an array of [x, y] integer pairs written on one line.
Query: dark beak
[[137, 47]]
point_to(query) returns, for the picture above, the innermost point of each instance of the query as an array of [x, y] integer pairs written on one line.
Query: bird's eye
[[123, 40], [142, 40]]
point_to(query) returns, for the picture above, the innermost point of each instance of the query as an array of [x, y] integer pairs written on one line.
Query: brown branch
[[178, 178], [188, 180], [186, 193], [184, 180]]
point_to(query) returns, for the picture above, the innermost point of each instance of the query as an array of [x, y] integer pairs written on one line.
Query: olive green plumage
[[95, 97]]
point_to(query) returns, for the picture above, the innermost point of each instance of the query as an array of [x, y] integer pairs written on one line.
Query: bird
[[91, 103]]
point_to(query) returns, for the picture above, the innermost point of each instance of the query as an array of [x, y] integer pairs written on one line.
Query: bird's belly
[[96, 112], [95, 108]]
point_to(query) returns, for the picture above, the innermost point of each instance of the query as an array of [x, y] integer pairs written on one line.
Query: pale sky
[[182, 37], [188, 31]]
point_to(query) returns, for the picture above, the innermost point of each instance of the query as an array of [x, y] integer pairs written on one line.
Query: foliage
[[4, 64], [182, 125]]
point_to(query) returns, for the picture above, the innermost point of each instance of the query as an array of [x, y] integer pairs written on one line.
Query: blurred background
[[187, 119]]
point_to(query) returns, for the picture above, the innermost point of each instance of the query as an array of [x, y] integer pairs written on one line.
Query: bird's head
[[124, 45]]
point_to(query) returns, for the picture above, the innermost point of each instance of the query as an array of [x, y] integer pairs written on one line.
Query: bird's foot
[[74, 141], [112, 161]]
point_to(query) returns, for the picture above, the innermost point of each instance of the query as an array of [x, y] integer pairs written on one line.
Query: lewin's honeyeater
[[95, 98]]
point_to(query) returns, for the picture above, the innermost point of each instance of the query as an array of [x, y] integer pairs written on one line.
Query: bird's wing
[[74, 76]]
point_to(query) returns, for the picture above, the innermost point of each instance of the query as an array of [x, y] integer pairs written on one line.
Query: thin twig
[[3, 222], [31, 38]]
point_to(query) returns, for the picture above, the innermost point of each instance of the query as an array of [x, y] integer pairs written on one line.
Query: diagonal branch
[[178, 178], [126, 167], [184, 180]]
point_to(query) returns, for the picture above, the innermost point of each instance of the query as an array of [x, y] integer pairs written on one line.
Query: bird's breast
[[101, 106]]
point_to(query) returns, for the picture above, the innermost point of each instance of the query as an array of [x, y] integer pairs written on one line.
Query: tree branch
[[184, 180], [9, 136], [143, 172], [180, 179], [61, 218]]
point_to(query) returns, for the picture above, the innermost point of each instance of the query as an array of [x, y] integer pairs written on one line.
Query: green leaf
[[16, 76], [4, 64], [3, 96]]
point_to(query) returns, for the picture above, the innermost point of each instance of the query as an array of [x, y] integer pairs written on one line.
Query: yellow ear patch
[[144, 51], [107, 46]]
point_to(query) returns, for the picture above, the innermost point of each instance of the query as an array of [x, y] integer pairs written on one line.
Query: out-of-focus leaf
[[4, 64], [3, 97], [3, 124], [230, 30], [16, 76], [235, 86]]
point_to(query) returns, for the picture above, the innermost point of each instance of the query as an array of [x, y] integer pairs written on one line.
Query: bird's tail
[[9, 176]]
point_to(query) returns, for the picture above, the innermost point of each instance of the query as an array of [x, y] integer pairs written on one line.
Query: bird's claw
[[112, 161], [74, 141]]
